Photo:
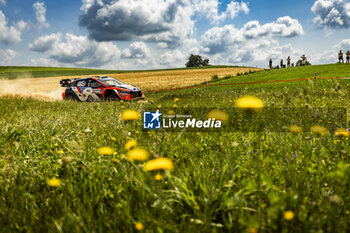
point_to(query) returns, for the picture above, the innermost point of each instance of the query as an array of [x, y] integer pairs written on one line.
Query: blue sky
[[134, 34]]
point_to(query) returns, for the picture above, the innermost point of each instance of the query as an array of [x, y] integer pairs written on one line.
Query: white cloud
[[210, 9], [332, 13], [45, 43], [7, 56], [76, 50], [3, 2], [167, 21], [11, 34], [137, 49], [219, 39], [233, 8], [40, 14], [253, 44]]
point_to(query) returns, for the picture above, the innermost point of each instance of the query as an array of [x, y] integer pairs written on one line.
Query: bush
[[214, 77]]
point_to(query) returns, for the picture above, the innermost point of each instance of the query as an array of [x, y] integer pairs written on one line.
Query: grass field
[[221, 181]]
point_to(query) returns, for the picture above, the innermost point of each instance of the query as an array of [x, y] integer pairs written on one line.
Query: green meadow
[[222, 181]]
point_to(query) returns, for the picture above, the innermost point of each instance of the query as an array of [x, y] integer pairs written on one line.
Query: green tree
[[196, 61]]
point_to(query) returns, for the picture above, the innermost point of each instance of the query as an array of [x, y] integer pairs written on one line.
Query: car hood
[[128, 87]]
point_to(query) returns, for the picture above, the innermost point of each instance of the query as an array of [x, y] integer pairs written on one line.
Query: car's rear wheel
[[69, 97]]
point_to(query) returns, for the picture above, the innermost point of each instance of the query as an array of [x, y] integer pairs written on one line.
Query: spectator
[[288, 61], [348, 57], [270, 63], [281, 63], [340, 57]]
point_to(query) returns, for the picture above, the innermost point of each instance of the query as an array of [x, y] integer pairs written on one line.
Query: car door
[[95, 90]]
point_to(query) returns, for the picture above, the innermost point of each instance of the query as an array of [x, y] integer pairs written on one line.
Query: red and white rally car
[[99, 88]]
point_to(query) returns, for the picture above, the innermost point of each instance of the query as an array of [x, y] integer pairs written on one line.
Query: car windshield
[[111, 82]]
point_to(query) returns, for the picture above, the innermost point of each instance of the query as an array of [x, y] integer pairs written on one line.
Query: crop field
[[87, 167], [48, 88]]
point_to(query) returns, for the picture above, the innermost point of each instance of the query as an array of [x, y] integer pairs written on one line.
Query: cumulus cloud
[[40, 14], [137, 50], [332, 13], [219, 39], [45, 43], [76, 50], [3, 2], [331, 55], [11, 34], [210, 9], [151, 20], [7, 56]]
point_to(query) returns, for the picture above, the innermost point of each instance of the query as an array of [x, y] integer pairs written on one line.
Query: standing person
[[348, 57], [288, 61], [303, 60], [340, 57], [281, 63], [270, 63]]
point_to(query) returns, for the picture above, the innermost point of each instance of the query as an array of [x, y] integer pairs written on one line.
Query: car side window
[[81, 84], [94, 84]]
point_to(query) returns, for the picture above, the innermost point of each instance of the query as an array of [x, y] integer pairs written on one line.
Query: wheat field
[[49, 88]]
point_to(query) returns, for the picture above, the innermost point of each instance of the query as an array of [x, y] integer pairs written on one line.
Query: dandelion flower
[[122, 106], [174, 106], [250, 103], [139, 226], [113, 139], [218, 115], [253, 230], [318, 129], [158, 164], [171, 112], [158, 177], [342, 132], [295, 129], [288, 215], [105, 150], [121, 101], [176, 100], [115, 160], [137, 154], [130, 144], [115, 153], [56, 144], [60, 152], [130, 115], [54, 182]]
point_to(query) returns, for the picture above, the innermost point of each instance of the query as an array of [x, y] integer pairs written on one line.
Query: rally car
[[99, 88]]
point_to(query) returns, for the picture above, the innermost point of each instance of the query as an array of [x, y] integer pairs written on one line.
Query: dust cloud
[[47, 89]]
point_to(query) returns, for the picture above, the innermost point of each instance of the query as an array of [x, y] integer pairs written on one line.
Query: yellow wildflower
[[105, 150], [115, 153], [171, 112], [130, 115], [60, 152], [115, 160], [130, 144], [176, 100], [318, 129], [218, 115], [54, 182], [56, 144], [249, 102], [288, 215], [158, 177], [137, 154], [253, 230], [174, 106], [295, 129], [342, 132], [139, 226], [113, 139], [159, 164]]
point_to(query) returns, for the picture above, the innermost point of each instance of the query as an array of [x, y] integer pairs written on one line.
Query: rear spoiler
[[65, 82]]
